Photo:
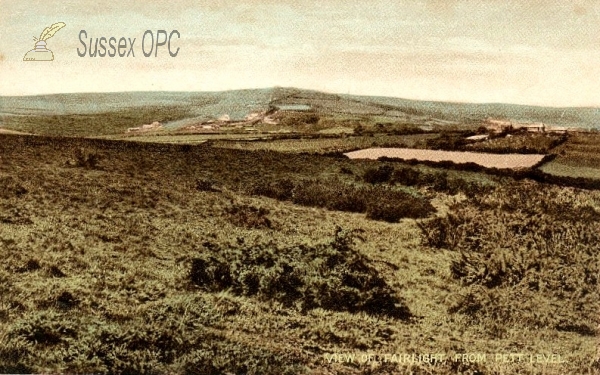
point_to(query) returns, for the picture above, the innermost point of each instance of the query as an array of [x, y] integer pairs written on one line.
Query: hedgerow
[[378, 202]]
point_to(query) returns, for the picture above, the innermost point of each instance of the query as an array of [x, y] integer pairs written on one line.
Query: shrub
[[391, 206], [407, 177], [280, 189], [334, 195], [86, 159], [10, 187], [378, 175], [521, 240], [247, 216], [332, 276], [378, 202], [205, 184], [447, 141], [45, 328], [14, 215]]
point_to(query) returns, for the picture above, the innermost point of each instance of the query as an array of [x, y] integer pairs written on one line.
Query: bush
[[247, 216], [333, 196], [448, 141], [378, 175], [380, 203], [169, 337], [10, 187], [526, 239], [86, 159], [280, 189], [407, 177], [391, 206], [205, 184], [520, 143], [332, 276]]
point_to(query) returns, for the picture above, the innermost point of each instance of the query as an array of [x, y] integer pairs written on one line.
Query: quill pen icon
[[40, 52]]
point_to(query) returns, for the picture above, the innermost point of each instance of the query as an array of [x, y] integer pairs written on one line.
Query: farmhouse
[[146, 127], [224, 118], [479, 137], [499, 126], [254, 116], [270, 120], [537, 127], [294, 107]]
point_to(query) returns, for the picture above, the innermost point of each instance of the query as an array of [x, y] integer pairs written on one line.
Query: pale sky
[[524, 52]]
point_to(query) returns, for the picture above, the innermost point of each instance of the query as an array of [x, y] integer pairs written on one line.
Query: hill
[[90, 114]]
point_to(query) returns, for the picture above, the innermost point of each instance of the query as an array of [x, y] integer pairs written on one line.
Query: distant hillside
[[237, 102], [568, 116], [190, 107]]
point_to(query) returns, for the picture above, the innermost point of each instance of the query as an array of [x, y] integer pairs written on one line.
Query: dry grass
[[326, 145]]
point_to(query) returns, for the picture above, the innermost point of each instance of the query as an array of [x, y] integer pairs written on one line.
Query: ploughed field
[[504, 161]]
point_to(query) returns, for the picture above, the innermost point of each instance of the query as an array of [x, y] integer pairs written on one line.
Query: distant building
[[254, 116], [532, 128], [557, 129], [499, 126], [480, 137], [270, 120], [294, 107]]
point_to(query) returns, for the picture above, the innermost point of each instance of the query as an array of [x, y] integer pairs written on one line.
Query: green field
[[329, 144], [126, 257], [579, 156]]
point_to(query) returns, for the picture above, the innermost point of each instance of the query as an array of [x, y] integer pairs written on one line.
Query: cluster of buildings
[[146, 127], [501, 126], [271, 116]]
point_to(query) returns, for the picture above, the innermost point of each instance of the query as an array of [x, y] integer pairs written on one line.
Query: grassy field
[[579, 156], [126, 257], [325, 145]]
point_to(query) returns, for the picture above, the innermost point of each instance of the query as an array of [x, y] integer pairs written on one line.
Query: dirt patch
[[506, 161]]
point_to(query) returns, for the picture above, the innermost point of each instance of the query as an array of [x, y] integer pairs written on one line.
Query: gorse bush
[[393, 205], [331, 276], [86, 159], [10, 187], [378, 175], [205, 184], [248, 216], [438, 181], [171, 336], [523, 239], [281, 189], [379, 202], [333, 196]]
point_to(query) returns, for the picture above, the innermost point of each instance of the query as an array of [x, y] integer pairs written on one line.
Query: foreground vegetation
[[122, 257]]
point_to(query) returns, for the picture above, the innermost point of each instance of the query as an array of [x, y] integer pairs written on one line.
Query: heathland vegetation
[[125, 257], [261, 249]]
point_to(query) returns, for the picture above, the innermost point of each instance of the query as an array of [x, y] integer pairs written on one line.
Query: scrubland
[[124, 257]]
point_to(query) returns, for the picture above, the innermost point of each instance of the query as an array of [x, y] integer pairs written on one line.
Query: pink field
[[509, 161]]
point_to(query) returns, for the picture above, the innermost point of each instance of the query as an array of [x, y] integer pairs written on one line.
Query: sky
[[523, 52]]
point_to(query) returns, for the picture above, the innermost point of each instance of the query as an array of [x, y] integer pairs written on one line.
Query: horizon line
[[596, 107]]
